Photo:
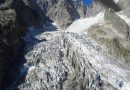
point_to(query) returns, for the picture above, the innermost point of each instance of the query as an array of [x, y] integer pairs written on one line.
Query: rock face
[[60, 11], [80, 7], [9, 38], [28, 13], [64, 12], [113, 37], [15, 16], [125, 4], [110, 4], [95, 7]]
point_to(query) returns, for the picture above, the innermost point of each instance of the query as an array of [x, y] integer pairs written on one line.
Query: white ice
[[80, 25]]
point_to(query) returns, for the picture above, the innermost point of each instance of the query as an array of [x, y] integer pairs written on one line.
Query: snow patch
[[116, 1], [31, 68], [56, 25], [82, 24]]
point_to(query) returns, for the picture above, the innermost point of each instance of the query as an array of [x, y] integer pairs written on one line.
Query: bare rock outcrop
[[15, 17], [125, 5], [60, 11], [113, 37]]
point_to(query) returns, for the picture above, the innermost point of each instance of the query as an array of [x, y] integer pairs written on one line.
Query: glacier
[[59, 55]]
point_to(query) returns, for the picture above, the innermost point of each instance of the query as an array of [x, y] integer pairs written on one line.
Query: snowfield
[[82, 24]]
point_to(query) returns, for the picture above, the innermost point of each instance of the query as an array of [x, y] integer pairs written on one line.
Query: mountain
[[15, 17], [112, 37], [80, 7], [60, 11], [64, 45], [95, 7]]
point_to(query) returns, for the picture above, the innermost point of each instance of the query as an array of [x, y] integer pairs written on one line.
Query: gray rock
[[80, 7], [60, 11], [112, 36], [125, 4], [119, 24], [95, 7], [15, 17]]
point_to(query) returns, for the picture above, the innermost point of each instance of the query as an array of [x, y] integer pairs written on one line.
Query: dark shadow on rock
[[13, 70], [33, 32], [26, 17], [110, 4], [2, 1]]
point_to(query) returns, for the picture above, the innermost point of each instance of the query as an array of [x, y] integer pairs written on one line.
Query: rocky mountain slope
[[9, 38], [44, 45], [112, 35], [15, 17], [60, 11], [95, 7], [80, 7]]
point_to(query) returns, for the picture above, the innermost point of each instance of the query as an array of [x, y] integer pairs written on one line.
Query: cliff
[[15, 16]]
